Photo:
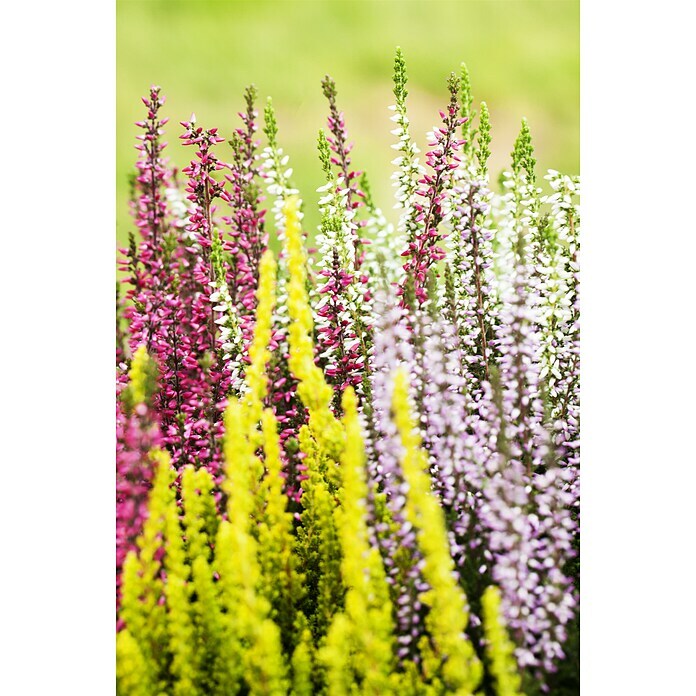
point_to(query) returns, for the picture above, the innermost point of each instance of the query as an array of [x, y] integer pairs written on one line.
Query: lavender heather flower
[[446, 424], [469, 299], [397, 541]]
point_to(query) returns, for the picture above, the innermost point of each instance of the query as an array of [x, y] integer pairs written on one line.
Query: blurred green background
[[523, 57]]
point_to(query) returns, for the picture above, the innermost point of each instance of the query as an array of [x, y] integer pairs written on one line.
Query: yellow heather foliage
[[302, 665], [499, 647], [200, 525], [142, 586], [318, 545], [197, 497], [259, 354], [249, 630], [278, 561], [133, 677], [361, 640], [313, 389], [141, 376], [335, 656], [180, 617], [452, 654]]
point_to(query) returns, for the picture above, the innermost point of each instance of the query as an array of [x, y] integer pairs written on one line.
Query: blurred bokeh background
[[523, 57]]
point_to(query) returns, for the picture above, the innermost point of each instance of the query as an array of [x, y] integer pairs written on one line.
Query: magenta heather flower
[[423, 251], [147, 264], [152, 173], [248, 238]]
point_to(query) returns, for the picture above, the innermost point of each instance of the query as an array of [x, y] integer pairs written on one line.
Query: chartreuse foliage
[[315, 392], [499, 647], [358, 653]]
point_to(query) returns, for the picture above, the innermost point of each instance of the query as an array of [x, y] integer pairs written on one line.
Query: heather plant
[[354, 471]]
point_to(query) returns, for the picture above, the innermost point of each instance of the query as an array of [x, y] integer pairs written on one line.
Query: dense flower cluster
[[358, 475]]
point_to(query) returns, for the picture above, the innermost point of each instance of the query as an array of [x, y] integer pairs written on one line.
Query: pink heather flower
[[391, 349], [422, 251], [248, 238]]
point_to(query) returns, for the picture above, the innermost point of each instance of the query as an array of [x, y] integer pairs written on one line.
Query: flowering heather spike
[[338, 142], [342, 313], [246, 223], [472, 295], [151, 206], [423, 251], [528, 530], [518, 342], [147, 263], [286, 404], [446, 427], [395, 536], [229, 338], [409, 170], [517, 210], [559, 321], [559, 288]]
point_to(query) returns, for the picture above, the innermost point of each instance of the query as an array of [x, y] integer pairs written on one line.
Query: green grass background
[[522, 55]]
